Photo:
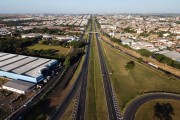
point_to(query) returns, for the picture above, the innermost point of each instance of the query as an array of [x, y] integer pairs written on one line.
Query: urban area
[[85, 66]]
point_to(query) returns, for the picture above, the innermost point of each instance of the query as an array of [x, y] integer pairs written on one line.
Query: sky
[[89, 6]]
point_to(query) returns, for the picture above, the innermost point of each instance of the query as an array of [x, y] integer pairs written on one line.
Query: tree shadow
[[40, 111], [163, 111]]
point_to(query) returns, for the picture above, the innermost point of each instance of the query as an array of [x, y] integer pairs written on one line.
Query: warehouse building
[[20, 67], [18, 86], [171, 54]]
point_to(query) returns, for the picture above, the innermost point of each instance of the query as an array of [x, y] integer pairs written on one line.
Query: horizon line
[[98, 13]]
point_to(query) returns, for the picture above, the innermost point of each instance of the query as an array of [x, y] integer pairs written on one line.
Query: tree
[[176, 64], [129, 30], [76, 44], [163, 111], [144, 34], [67, 62], [140, 60], [167, 61], [145, 52], [130, 65], [159, 57]]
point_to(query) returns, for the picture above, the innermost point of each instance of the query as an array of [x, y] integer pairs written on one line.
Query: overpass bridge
[[91, 33]]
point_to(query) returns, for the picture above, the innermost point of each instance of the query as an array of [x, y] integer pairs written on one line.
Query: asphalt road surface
[[135, 104], [82, 79], [80, 115], [107, 84]]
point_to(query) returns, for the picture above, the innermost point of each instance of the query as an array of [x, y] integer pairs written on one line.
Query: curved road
[[135, 104]]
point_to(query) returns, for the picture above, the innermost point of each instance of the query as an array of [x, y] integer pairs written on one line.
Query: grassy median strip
[[96, 101], [146, 111], [130, 83], [91, 100]]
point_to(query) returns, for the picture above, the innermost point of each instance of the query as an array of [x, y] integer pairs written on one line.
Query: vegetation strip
[[91, 99]]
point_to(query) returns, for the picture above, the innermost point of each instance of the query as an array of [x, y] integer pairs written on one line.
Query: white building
[[31, 35], [18, 86], [66, 38], [144, 45], [139, 31], [128, 42]]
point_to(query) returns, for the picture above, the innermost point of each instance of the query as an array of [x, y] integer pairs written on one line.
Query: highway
[[80, 114], [81, 81], [113, 115], [135, 104]]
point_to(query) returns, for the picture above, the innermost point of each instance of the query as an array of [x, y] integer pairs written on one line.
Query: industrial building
[[25, 68], [171, 54], [18, 86]]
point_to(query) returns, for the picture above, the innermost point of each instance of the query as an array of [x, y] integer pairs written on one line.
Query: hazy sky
[[89, 6]]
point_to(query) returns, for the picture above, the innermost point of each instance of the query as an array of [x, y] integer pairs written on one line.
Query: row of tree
[[77, 44], [54, 43], [17, 33], [166, 60], [50, 53], [19, 22], [16, 46], [160, 57], [45, 30], [73, 57], [74, 44], [145, 52], [13, 45]]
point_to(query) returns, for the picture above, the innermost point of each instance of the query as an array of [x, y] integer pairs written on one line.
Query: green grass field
[[146, 111], [61, 50], [96, 101], [128, 84]]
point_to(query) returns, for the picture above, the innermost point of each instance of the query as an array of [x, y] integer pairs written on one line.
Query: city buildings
[[150, 32]]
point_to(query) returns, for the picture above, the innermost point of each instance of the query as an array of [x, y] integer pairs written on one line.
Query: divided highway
[[112, 111]]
